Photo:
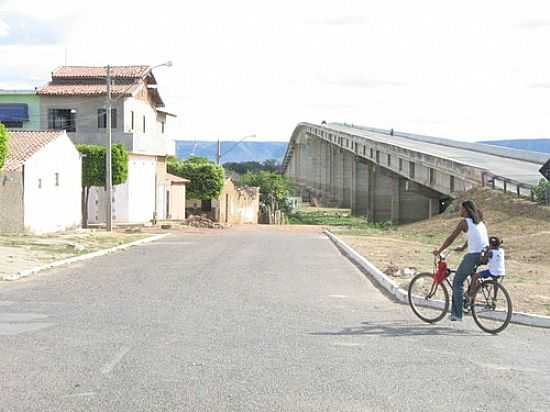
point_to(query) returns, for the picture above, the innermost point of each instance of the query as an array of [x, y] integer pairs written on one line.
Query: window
[[62, 119], [162, 127], [144, 129], [102, 118], [378, 156], [431, 174], [400, 165], [57, 179], [371, 152], [132, 120], [452, 184], [389, 160], [412, 170]]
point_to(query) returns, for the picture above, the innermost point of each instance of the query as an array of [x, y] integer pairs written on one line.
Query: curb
[[401, 295], [26, 273]]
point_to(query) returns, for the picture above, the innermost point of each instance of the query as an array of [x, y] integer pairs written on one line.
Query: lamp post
[[108, 157], [219, 153]]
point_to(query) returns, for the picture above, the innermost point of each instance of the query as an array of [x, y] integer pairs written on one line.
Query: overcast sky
[[470, 70]]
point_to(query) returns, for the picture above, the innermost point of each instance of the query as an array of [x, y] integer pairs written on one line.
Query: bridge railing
[[507, 185]]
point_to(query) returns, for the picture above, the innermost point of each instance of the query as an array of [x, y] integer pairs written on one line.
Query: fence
[[521, 190]]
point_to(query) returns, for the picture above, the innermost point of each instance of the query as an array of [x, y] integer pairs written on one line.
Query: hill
[[533, 145], [232, 151]]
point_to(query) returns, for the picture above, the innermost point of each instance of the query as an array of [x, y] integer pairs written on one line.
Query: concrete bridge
[[399, 177]]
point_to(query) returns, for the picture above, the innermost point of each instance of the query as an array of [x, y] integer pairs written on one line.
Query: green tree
[[93, 170], [274, 188], [206, 177], [4, 136], [252, 166]]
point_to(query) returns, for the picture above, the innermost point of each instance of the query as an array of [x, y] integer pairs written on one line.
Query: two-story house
[[75, 100]]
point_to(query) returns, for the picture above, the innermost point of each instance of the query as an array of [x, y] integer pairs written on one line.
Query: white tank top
[[477, 236]]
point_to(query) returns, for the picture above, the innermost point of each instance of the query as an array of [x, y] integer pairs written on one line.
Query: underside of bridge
[[336, 177]]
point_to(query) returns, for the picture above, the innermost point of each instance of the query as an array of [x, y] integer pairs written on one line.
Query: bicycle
[[428, 296]]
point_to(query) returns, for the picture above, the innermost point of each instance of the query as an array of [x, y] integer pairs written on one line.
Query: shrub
[[206, 177], [4, 137]]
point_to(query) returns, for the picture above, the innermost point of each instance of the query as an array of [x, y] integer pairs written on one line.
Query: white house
[[74, 100], [40, 183]]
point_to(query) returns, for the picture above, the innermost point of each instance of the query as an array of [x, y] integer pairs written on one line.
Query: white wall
[[53, 208]]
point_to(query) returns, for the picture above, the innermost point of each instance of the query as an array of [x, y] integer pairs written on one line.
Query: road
[[247, 320]]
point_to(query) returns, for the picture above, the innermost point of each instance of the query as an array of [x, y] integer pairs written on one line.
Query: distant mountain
[[231, 151], [533, 145]]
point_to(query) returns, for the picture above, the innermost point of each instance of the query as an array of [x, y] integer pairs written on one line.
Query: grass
[[339, 220]]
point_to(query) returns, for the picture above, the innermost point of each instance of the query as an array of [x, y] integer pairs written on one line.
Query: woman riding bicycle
[[476, 240]]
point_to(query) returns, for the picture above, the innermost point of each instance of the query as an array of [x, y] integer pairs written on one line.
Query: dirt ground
[[21, 252], [524, 227]]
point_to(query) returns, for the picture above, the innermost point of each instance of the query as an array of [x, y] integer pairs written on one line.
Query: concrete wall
[[52, 188], [11, 202], [177, 201], [31, 100], [237, 205]]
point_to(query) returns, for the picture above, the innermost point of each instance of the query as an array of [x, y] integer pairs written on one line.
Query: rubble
[[203, 222]]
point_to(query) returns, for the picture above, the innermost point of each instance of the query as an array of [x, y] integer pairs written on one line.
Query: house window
[[132, 120], [162, 127], [102, 118], [57, 179], [412, 170], [62, 119], [12, 125], [144, 129], [431, 174]]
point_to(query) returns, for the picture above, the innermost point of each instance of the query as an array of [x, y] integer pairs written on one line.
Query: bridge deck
[[518, 170]]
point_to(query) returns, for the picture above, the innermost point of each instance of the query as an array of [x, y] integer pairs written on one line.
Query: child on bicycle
[[495, 265]]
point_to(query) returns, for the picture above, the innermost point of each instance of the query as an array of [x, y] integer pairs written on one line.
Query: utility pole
[[108, 165], [219, 153]]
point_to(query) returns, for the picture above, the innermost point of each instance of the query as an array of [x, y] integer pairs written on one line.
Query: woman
[[476, 239]]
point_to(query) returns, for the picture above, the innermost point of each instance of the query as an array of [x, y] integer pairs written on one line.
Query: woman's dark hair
[[472, 211], [495, 242]]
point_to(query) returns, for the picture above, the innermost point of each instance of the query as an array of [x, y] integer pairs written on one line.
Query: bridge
[[399, 177]]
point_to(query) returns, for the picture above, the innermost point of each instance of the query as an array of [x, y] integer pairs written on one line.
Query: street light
[[109, 165], [219, 151]]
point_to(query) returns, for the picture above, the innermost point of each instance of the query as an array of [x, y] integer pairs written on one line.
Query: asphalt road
[[245, 320]]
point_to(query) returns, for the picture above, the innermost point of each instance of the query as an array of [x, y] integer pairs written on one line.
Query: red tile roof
[[52, 89], [132, 72], [25, 143]]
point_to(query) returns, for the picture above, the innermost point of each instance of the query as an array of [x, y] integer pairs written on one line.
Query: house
[[234, 205], [75, 100], [175, 207], [20, 109], [40, 183]]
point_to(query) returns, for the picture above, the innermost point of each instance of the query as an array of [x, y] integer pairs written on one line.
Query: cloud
[[534, 24], [540, 85], [16, 29], [341, 21], [364, 83]]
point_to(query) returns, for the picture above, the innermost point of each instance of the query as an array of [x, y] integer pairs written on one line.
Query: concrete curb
[[401, 295], [25, 273]]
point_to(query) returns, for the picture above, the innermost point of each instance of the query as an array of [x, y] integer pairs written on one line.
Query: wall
[[177, 201], [33, 102], [53, 208], [11, 201], [237, 205]]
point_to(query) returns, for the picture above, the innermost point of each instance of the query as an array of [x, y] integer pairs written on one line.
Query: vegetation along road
[[248, 319]]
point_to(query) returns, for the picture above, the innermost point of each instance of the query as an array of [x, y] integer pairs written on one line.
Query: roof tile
[[132, 72], [25, 143]]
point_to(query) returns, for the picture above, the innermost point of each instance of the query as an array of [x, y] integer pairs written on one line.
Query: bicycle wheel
[[428, 300], [492, 307]]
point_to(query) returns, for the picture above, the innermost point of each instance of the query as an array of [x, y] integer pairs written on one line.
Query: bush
[[541, 190], [274, 188], [207, 178], [4, 137]]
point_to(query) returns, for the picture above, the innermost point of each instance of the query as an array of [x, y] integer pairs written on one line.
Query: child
[[495, 265]]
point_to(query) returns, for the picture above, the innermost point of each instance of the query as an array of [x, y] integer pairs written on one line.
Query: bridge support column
[[347, 174]]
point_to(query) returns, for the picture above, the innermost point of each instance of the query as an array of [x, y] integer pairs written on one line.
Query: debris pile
[[203, 222], [395, 271]]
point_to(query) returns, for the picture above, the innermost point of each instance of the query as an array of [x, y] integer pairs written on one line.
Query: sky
[[470, 70]]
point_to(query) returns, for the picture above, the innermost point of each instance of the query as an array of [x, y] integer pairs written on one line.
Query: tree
[[93, 170], [4, 137], [541, 191], [271, 165], [206, 177], [274, 188]]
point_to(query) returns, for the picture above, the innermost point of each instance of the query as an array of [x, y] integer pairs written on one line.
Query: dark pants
[[466, 268]]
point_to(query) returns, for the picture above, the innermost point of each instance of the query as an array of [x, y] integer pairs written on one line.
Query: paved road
[[247, 321]]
